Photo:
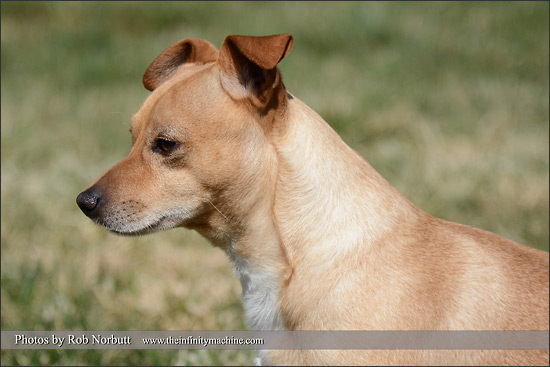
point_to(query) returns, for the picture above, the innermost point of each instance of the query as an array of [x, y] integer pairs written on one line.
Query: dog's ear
[[185, 51], [249, 66]]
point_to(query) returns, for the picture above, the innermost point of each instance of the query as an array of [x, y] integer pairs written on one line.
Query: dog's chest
[[260, 296]]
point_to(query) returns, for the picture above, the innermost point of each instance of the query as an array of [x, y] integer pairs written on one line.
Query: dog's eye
[[164, 146]]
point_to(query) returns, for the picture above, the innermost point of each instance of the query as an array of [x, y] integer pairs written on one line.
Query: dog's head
[[200, 156]]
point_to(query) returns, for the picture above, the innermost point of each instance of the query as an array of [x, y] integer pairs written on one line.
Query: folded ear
[[186, 51], [248, 66]]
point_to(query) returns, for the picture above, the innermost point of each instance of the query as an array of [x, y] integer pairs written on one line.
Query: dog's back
[[444, 276]]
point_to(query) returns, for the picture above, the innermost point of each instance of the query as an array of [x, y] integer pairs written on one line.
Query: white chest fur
[[260, 296]]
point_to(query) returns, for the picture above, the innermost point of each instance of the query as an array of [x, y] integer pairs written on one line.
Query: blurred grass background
[[449, 101]]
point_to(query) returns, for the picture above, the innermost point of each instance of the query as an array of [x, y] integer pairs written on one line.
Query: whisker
[[211, 203]]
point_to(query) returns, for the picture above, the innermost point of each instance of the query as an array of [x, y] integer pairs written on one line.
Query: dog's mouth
[[163, 223], [133, 218]]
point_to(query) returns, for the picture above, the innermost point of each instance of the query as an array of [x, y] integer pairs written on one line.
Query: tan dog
[[319, 240]]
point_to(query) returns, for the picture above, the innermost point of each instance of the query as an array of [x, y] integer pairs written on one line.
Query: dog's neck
[[329, 200], [261, 265], [326, 202]]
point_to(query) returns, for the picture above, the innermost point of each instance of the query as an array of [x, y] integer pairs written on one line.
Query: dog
[[318, 239]]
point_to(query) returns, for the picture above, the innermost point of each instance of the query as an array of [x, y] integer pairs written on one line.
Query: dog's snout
[[89, 201]]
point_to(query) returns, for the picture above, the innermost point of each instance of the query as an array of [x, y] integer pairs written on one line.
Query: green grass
[[449, 101]]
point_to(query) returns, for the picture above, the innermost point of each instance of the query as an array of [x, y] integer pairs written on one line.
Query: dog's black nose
[[88, 201]]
